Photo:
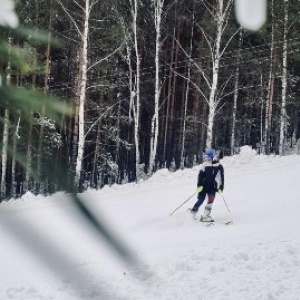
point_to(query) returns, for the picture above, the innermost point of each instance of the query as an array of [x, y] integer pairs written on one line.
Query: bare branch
[[221, 90], [209, 9], [207, 38], [193, 83], [71, 18], [99, 85], [99, 118], [197, 66], [109, 55], [230, 39], [81, 7], [228, 7], [92, 5]]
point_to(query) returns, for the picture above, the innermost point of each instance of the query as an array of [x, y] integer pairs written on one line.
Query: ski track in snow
[[49, 253]]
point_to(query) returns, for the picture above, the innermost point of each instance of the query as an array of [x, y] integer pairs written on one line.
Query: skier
[[210, 181]]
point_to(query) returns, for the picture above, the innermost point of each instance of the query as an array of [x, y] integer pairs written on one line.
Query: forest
[[95, 93]]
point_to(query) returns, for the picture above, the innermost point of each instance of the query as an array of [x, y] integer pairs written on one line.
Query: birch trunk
[[221, 16], [158, 4], [283, 116], [83, 61], [13, 190], [269, 101], [5, 132], [137, 106], [4, 153], [236, 92]]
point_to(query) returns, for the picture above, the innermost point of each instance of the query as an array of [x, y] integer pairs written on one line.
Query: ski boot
[[192, 211], [206, 217]]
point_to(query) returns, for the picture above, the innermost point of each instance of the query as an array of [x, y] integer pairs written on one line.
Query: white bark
[[137, 103], [221, 15], [5, 132], [235, 95], [83, 61], [4, 152], [268, 118], [283, 116], [158, 5]]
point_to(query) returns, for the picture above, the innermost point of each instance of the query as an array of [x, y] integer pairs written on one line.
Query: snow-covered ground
[[49, 252]]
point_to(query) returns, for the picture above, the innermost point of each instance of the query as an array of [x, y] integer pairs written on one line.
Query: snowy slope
[[48, 253]]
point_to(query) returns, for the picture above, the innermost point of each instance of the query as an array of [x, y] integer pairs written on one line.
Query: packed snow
[[48, 251]]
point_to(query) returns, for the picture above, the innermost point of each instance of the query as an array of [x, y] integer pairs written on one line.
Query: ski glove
[[199, 189], [220, 190]]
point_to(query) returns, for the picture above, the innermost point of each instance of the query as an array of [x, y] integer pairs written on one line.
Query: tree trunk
[[43, 112], [171, 87], [270, 91], [4, 153], [137, 106], [155, 118], [83, 61], [283, 116], [94, 175], [189, 66], [215, 74], [5, 136], [236, 92]]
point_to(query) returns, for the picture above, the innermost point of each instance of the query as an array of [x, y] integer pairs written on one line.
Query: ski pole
[[229, 222], [225, 202], [182, 203]]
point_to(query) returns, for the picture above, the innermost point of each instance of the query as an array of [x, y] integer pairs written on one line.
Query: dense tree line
[[151, 84]]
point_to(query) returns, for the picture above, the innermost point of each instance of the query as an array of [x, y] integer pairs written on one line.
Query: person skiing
[[210, 181]]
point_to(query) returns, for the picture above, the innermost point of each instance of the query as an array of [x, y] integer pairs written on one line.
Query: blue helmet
[[209, 153]]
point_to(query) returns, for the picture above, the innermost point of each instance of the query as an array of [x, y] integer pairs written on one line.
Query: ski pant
[[201, 197]]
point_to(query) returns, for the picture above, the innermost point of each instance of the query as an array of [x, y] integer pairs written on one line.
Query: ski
[[228, 222], [207, 223]]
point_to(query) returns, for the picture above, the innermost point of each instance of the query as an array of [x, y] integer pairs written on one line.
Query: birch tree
[[4, 152], [83, 61], [135, 100], [158, 12], [270, 90], [236, 92], [79, 136], [221, 15], [5, 130], [283, 116]]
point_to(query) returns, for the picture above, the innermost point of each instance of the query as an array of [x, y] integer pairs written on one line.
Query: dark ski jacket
[[211, 176]]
